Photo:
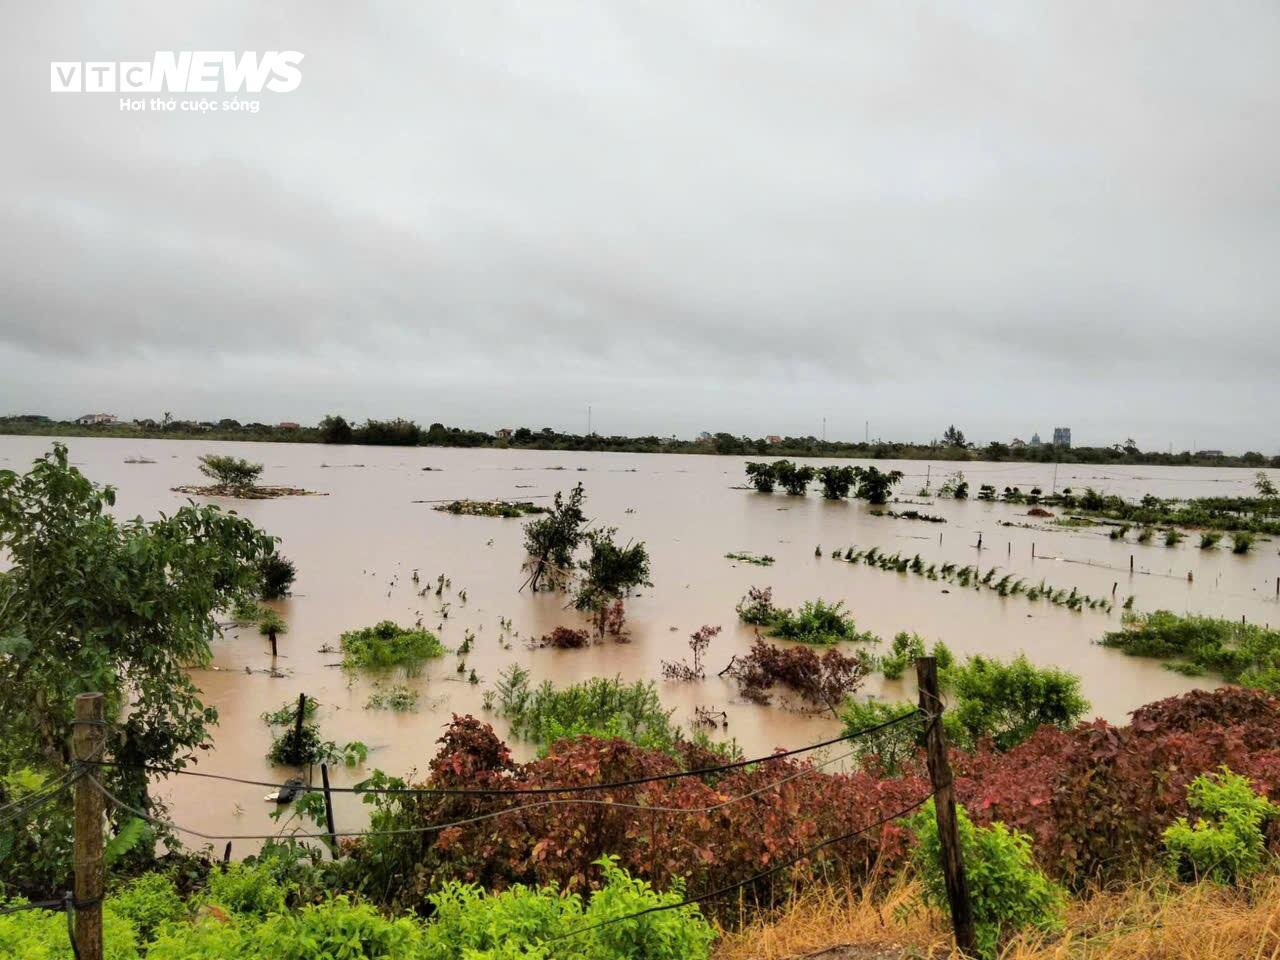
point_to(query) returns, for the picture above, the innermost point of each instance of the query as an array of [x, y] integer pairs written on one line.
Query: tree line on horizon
[[400, 431]]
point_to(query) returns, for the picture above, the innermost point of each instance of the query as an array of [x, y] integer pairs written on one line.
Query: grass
[[398, 698], [387, 645], [1152, 920]]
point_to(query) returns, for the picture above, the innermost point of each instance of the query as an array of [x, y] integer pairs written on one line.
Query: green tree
[[836, 481], [761, 476], [954, 438], [335, 429], [610, 572], [231, 472], [92, 603], [875, 486], [551, 539], [1264, 485]]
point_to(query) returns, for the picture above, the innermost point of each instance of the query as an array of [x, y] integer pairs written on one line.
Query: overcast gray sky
[[729, 215]]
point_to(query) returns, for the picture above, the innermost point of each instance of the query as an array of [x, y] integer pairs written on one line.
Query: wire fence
[[84, 770]]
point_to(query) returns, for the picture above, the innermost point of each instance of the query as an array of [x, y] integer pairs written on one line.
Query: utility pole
[[944, 803], [588, 419], [824, 429], [88, 738], [866, 431]]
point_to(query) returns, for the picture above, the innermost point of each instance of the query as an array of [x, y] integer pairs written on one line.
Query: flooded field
[[357, 547]]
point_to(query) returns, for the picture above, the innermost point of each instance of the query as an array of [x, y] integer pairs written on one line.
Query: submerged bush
[[278, 574], [757, 608], [602, 707], [1007, 890], [232, 472], [818, 623], [761, 476], [822, 681], [1226, 843], [1242, 653], [387, 645], [836, 481]]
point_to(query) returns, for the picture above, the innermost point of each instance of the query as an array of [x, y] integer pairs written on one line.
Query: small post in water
[[88, 738], [945, 806], [1131, 564], [297, 724]]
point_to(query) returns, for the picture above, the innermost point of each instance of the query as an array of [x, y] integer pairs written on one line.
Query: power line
[[492, 814], [533, 791]]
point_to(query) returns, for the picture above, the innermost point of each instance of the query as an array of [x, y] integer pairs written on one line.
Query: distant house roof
[[503, 432], [288, 425], [773, 438], [97, 418]]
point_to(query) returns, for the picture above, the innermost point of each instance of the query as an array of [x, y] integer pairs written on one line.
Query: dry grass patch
[[1151, 921]]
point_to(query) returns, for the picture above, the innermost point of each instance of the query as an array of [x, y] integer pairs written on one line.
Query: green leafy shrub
[[1241, 541], [1243, 653], [149, 902], [278, 574], [387, 645], [1009, 893], [891, 746], [1227, 842], [246, 889], [603, 707], [469, 923], [42, 935], [1008, 702], [757, 608], [817, 622], [905, 649], [398, 698], [1209, 540], [836, 481]]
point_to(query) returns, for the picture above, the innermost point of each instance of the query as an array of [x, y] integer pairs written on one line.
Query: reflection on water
[[357, 548]]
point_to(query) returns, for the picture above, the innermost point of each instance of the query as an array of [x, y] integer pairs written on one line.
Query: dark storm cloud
[[720, 216]]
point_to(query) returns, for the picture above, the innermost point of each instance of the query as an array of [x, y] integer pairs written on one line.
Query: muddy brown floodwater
[[356, 549]]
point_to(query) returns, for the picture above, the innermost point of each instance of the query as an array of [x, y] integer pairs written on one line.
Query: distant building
[[1062, 436], [1035, 439], [1017, 443], [93, 419], [288, 425], [704, 435], [1210, 453], [504, 433], [773, 438]]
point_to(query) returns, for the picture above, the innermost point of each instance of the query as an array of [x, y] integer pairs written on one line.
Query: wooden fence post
[[328, 809], [945, 806], [297, 723], [87, 739]]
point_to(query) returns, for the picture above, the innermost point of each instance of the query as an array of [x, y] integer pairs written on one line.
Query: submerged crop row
[[970, 575]]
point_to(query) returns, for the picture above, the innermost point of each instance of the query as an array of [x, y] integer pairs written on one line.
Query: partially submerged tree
[[761, 476], [277, 576], [795, 480], [609, 575], [875, 486], [551, 539], [231, 472], [92, 603], [836, 481]]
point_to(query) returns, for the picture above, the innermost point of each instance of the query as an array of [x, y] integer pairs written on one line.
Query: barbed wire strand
[[529, 791], [490, 815]]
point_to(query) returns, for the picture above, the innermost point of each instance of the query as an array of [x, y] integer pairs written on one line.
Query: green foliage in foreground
[[387, 645], [1242, 653], [1009, 893], [253, 921], [601, 707], [93, 602], [1227, 842]]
